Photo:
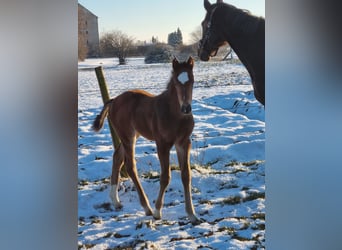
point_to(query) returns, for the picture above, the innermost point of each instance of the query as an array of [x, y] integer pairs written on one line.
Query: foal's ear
[[175, 63], [207, 5], [190, 62]]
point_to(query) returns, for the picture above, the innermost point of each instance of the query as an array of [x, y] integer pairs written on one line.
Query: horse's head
[[183, 80], [212, 38]]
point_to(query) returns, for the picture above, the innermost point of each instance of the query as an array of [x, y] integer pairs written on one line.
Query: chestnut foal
[[166, 119]]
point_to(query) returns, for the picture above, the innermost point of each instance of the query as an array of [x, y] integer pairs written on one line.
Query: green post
[[105, 98]]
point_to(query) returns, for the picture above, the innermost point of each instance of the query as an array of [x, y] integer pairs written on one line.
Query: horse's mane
[[242, 20]]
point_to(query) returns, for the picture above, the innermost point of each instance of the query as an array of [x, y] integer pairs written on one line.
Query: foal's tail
[[99, 120]]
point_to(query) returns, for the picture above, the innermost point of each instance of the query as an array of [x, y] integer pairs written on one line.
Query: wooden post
[[105, 98]]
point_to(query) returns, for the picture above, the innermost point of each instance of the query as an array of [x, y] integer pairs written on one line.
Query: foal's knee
[[186, 177], [165, 179]]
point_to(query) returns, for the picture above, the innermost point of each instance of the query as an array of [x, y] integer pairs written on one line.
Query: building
[[89, 30]]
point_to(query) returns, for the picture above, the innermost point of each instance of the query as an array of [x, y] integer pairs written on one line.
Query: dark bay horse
[[244, 32], [166, 119]]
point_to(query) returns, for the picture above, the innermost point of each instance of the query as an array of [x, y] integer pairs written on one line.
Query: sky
[[144, 19]]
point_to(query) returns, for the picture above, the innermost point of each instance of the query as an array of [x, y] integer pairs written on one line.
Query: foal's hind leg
[[183, 154], [118, 158], [132, 172]]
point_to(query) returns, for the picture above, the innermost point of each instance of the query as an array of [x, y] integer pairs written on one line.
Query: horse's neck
[[238, 27], [239, 39]]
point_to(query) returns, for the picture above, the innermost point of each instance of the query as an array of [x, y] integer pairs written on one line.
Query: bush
[[160, 53]]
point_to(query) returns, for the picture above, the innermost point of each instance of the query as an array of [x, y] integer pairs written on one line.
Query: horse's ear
[[190, 62], [219, 1], [175, 63], [207, 5]]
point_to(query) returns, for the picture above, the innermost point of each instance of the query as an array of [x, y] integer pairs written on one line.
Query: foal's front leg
[[183, 154], [164, 159]]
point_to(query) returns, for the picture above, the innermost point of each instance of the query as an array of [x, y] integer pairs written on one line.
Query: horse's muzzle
[[186, 109], [203, 55]]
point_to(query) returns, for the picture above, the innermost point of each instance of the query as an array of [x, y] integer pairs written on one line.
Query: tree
[[175, 38], [117, 44], [159, 53], [196, 35], [154, 40], [179, 36]]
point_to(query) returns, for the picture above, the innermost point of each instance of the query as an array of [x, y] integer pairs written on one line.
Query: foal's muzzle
[[186, 108]]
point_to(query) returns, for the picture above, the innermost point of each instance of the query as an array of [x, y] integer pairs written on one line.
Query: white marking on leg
[[114, 196], [157, 214], [183, 77]]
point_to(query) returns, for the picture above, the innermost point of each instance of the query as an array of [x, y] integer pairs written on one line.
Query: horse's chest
[[176, 128]]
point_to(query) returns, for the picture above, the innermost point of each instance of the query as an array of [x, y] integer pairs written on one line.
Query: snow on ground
[[227, 158]]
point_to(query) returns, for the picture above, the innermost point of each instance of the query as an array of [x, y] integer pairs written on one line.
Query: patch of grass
[[233, 200], [205, 201], [95, 219], [174, 167], [240, 238], [260, 216], [227, 186], [83, 182], [234, 163], [104, 207], [151, 175], [229, 230], [260, 226], [86, 246], [210, 163], [117, 235], [97, 158], [108, 235], [182, 238], [81, 221], [245, 225], [253, 196]]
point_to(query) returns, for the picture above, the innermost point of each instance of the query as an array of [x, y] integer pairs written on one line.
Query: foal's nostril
[[186, 109]]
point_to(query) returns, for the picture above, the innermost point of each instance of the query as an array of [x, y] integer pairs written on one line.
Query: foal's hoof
[[157, 215], [118, 206], [195, 221], [148, 212]]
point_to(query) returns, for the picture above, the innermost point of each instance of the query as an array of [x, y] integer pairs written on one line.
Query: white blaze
[[183, 77]]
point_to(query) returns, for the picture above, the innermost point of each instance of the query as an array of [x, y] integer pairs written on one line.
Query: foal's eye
[[183, 77]]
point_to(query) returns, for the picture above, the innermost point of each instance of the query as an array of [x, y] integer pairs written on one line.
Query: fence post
[[105, 97]]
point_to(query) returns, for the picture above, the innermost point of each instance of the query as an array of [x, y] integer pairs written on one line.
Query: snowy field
[[227, 159]]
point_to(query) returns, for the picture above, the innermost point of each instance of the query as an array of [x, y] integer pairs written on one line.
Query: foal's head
[[212, 37], [183, 80]]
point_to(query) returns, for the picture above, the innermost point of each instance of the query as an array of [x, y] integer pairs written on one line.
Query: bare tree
[[196, 35], [116, 43]]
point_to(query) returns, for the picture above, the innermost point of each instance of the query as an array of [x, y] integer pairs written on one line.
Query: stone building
[[88, 29]]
